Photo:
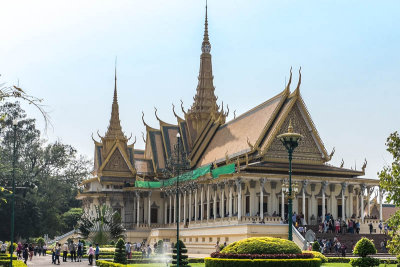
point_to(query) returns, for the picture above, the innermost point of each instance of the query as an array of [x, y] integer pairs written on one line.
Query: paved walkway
[[45, 261]]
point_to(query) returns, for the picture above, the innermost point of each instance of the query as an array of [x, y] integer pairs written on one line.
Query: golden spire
[[114, 129], [205, 100]]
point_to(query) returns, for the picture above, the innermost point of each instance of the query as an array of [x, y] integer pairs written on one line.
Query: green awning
[[193, 175], [147, 184], [227, 169]]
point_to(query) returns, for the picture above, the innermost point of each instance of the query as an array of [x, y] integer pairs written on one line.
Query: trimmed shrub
[[109, 264], [16, 263], [316, 246], [318, 255], [365, 262], [338, 260], [261, 256], [262, 245], [120, 254], [364, 247], [215, 262], [183, 258], [7, 257]]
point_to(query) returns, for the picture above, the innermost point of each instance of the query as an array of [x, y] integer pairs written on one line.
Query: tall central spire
[[205, 99], [205, 105], [114, 129]]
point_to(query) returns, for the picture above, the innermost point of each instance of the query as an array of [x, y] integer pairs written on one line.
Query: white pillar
[[344, 185], [357, 203], [180, 207], [380, 204], [262, 181], [215, 202], [190, 205], [165, 211], [175, 209], [351, 188], [149, 213], [283, 204], [208, 202], [230, 199], [362, 202], [369, 200], [184, 206], [324, 184], [239, 191], [222, 202], [202, 203], [137, 209], [196, 205], [170, 207]]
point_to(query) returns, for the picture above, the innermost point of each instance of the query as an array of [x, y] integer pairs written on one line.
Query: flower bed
[[217, 262]]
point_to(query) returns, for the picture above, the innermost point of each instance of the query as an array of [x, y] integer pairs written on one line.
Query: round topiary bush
[[364, 247], [262, 245], [316, 246]]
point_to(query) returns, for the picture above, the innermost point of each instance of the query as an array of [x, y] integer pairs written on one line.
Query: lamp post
[[176, 165], [290, 141], [14, 123], [178, 137]]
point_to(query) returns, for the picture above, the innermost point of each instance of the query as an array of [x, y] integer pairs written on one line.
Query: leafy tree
[[390, 182], [104, 225], [47, 176], [71, 217], [40, 241], [120, 255]]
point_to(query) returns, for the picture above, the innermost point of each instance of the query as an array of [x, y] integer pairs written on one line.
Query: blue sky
[[64, 52]]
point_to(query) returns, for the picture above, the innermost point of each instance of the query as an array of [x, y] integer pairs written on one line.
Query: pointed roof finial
[[290, 128], [114, 129], [206, 46]]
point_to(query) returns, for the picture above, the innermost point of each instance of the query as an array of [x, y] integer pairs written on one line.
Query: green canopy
[[193, 175], [147, 184], [227, 169]]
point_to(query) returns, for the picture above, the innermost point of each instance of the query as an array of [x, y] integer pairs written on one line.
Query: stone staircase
[[351, 239]]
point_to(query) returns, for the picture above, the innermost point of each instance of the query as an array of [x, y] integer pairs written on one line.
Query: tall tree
[[390, 182], [47, 175]]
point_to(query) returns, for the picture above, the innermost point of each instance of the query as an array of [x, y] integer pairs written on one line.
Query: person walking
[[80, 251], [30, 252], [58, 253], [72, 251], [53, 255], [65, 252], [19, 250], [90, 253], [97, 252], [25, 253], [44, 250]]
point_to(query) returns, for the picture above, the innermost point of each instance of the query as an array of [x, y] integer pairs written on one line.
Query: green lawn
[[160, 264], [202, 265], [348, 265]]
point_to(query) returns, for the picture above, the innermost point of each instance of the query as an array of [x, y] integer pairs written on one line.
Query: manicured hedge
[[7, 257], [215, 262], [317, 254], [261, 256], [339, 259], [365, 262], [262, 245], [16, 263], [109, 264]]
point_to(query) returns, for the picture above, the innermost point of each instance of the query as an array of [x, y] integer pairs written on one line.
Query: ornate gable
[[116, 162], [309, 148]]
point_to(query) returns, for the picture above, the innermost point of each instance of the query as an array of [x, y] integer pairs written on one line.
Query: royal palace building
[[234, 183]]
